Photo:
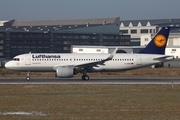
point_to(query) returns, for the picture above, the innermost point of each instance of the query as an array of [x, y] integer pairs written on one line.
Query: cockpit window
[[16, 59]]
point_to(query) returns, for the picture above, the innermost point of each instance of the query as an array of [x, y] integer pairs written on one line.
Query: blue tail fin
[[158, 44]]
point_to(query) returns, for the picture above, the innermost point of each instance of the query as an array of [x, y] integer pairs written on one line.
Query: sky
[[82, 9]]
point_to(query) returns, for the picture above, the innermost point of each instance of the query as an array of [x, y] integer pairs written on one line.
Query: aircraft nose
[[8, 65]]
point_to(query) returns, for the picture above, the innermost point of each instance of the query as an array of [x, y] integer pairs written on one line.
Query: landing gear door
[[139, 60], [28, 59]]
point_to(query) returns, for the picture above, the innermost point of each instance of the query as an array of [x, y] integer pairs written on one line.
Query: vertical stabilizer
[[158, 44]]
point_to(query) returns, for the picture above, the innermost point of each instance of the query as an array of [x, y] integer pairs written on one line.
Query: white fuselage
[[48, 62]]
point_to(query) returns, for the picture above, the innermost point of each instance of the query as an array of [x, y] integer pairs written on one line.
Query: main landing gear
[[28, 76], [85, 77]]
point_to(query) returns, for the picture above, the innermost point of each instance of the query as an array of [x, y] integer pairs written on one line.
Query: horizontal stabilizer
[[161, 58]]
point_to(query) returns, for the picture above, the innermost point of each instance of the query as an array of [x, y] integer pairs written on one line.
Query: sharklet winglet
[[112, 54]]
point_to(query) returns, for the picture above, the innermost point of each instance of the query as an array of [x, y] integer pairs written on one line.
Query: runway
[[95, 80]]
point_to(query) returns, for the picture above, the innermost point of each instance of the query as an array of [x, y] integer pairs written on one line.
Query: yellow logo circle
[[160, 40]]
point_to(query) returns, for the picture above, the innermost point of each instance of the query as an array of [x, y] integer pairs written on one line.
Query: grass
[[91, 102], [79, 102]]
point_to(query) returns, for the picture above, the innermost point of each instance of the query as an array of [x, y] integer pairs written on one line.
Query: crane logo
[[160, 40]]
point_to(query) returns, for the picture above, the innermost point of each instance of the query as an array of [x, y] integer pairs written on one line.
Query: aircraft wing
[[96, 63], [166, 57]]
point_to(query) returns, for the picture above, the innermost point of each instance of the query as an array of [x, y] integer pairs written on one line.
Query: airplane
[[65, 65]]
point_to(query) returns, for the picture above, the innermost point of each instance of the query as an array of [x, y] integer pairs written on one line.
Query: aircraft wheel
[[85, 77], [27, 78]]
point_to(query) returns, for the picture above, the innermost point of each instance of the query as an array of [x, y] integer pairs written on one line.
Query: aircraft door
[[28, 59], [139, 60]]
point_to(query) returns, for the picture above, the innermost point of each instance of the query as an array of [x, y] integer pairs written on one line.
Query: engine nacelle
[[64, 72]]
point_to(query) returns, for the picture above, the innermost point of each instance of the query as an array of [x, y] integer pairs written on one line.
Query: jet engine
[[64, 72]]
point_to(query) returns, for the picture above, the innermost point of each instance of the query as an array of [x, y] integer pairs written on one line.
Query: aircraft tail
[[158, 44]]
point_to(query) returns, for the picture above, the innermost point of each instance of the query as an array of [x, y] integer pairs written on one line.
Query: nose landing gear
[[28, 76]]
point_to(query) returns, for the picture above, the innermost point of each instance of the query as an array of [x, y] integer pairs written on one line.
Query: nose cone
[[8, 65]]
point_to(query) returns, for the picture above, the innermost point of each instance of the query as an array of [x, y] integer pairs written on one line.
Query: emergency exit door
[[28, 59], [139, 60]]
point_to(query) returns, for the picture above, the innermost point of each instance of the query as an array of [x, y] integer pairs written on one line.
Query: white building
[[170, 50], [101, 49], [89, 49], [173, 50]]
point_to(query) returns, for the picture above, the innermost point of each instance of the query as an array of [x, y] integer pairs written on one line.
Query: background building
[[50, 36]]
